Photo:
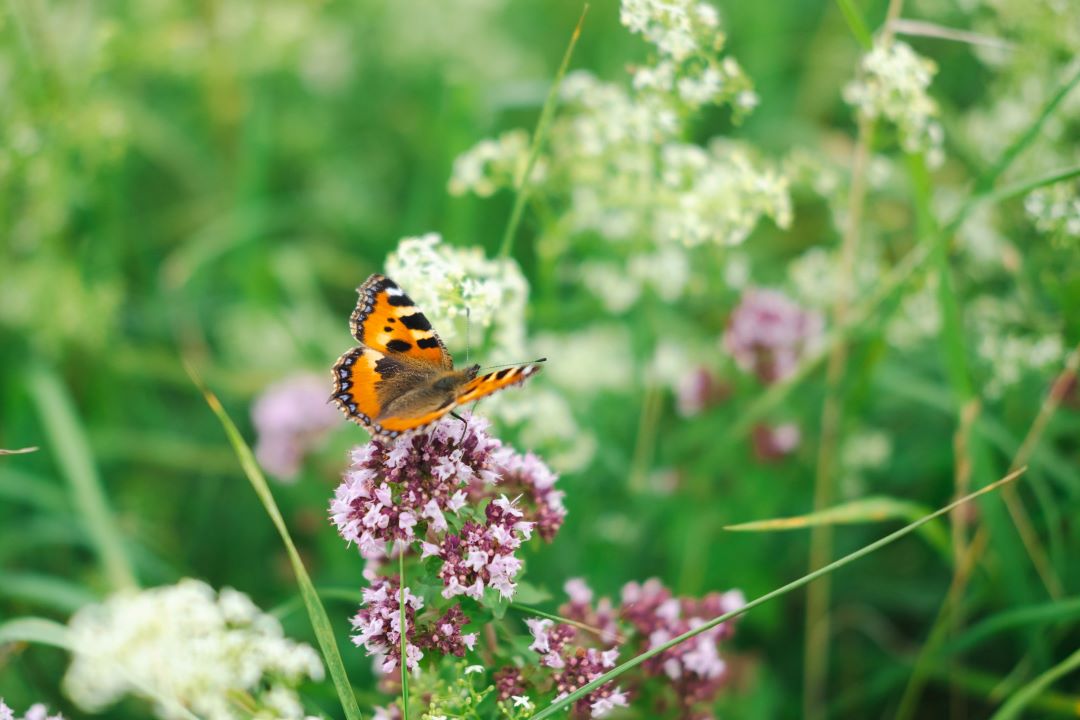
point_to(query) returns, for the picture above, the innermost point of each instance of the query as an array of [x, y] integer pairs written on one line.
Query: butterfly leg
[[464, 425]]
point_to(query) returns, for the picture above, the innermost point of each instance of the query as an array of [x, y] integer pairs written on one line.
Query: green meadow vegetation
[[806, 276]]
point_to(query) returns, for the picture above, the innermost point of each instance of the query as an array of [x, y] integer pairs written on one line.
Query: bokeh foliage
[[212, 180]]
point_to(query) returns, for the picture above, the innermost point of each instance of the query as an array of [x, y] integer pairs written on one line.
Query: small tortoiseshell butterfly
[[402, 377]]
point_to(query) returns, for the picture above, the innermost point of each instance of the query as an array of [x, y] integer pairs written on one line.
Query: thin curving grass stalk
[[546, 113], [320, 621]]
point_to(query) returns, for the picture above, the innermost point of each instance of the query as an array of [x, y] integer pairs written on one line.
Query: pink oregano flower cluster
[[443, 491], [647, 617], [768, 333]]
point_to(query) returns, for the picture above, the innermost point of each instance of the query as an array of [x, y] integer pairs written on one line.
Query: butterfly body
[[401, 376]]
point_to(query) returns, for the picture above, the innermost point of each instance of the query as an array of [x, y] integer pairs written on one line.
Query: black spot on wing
[[398, 345], [427, 343], [416, 321], [503, 373], [400, 300], [387, 367]]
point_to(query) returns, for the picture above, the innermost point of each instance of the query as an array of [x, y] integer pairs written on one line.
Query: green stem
[[403, 634], [539, 133], [794, 585], [1016, 704], [72, 452]]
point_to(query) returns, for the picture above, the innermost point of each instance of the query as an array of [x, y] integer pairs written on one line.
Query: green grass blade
[[1015, 705], [1041, 614], [18, 451], [794, 585], [45, 590], [19, 486], [542, 124], [864, 510], [1022, 188], [72, 451], [320, 622], [990, 177], [855, 23], [35, 630]]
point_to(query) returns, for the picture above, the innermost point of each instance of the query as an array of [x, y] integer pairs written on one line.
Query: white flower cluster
[[629, 176], [1056, 209], [1011, 351], [36, 712], [688, 40], [189, 650], [492, 164], [446, 282], [616, 159], [893, 85]]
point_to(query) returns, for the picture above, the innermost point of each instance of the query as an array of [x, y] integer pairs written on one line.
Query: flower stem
[[403, 635], [546, 113]]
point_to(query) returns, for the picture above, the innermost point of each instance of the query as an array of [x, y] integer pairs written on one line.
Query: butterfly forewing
[[387, 320], [492, 381]]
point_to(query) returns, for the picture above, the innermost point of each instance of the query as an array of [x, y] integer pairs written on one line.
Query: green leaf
[[320, 622], [866, 510], [1022, 697], [51, 592], [68, 444], [529, 594], [35, 630], [495, 602]]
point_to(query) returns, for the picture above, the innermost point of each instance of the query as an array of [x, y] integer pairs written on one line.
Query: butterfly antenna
[[468, 332], [514, 364]]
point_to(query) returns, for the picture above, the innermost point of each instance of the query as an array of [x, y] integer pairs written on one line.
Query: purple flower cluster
[[482, 555], [526, 476], [443, 492], [379, 625], [776, 441], [395, 485], [650, 616], [695, 666], [291, 418], [768, 333]]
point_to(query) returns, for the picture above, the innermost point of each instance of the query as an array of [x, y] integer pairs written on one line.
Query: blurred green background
[[212, 180]]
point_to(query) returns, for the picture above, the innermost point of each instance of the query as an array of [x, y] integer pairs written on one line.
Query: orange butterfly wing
[[493, 381], [354, 385], [472, 390], [387, 321]]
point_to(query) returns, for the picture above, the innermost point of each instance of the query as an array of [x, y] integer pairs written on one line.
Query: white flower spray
[[188, 649]]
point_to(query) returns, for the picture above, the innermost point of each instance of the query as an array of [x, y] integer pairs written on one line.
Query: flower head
[[768, 334], [378, 623], [447, 282], [187, 648], [893, 85], [291, 418]]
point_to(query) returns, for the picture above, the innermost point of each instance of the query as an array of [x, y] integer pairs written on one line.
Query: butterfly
[[401, 376]]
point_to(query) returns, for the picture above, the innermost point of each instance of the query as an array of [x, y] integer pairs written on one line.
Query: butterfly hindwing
[[387, 320], [493, 381]]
